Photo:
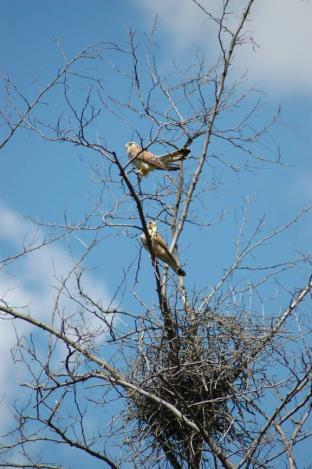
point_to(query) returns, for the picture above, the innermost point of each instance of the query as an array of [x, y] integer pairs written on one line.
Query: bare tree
[[185, 378]]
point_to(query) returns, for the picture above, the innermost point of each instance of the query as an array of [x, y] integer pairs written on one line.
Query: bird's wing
[[161, 251], [164, 253], [160, 240], [151, 159], [158, 243], [174, 156]]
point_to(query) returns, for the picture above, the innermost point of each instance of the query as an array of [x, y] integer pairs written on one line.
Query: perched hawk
[[145, 161], [160, 248]]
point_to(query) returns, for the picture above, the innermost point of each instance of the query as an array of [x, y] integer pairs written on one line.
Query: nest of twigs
[[202, 373]]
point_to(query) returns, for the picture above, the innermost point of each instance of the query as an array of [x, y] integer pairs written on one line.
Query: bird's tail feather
[[177, 155], [181, 272], [174, 265], [171, 167]]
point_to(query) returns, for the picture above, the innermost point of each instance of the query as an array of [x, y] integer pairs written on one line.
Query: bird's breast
[[143, 240]]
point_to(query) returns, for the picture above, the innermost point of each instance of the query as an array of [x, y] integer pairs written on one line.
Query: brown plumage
[[145, 161], [160, 248]]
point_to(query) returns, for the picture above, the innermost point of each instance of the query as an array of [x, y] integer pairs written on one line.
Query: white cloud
[[32, 282], [181, 20], [282, 28], [13, 227], [283, 31], [29, 284]]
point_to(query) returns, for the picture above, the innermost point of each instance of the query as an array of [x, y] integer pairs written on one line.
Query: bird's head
[[152, 227], [131, 146]]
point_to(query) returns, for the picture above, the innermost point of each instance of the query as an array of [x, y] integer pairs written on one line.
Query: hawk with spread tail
[[160, 248], [145, 161]]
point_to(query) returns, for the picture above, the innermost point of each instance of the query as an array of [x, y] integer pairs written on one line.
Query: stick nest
[[203, 372]]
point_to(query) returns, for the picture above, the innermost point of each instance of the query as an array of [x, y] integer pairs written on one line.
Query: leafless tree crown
[[182, 377]]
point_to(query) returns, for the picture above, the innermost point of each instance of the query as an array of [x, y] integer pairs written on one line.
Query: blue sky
[[43, 179]]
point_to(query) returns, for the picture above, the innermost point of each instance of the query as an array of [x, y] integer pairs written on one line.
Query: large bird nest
[[203, 373]]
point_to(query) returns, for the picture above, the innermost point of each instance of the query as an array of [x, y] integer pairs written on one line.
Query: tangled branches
[[206, 373]]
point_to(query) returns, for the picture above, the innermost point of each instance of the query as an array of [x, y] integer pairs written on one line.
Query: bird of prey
[[145, 161], [160, 248]]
